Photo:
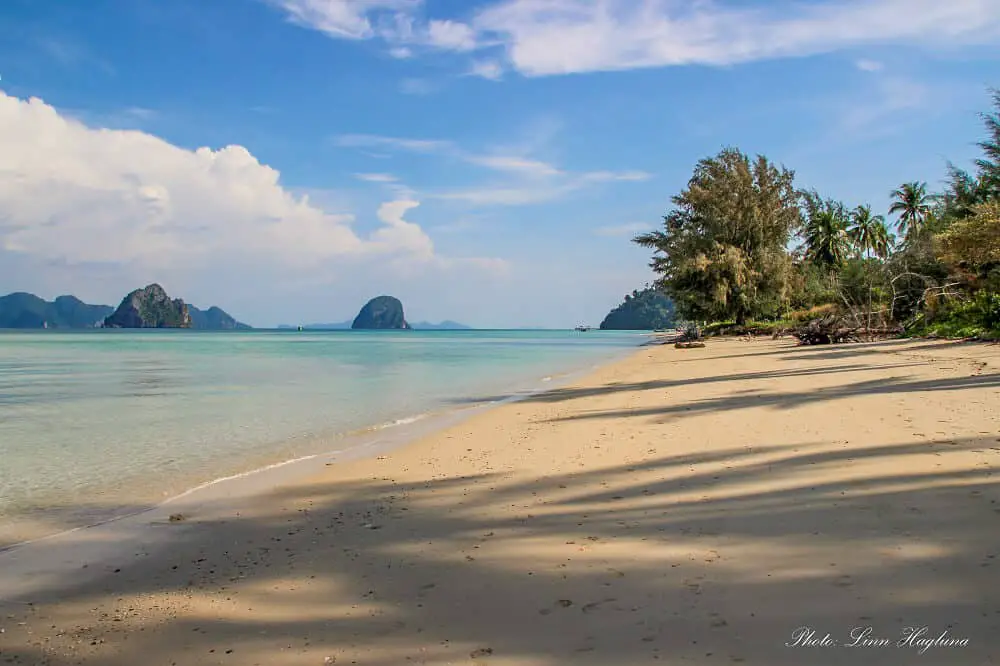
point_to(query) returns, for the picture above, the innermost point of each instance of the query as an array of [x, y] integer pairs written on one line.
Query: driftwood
[[688, 345], [837, 329]]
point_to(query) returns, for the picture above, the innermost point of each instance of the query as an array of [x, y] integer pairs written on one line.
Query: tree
[[974, 242], [964, 192], [989, 164], [912, 204], [825, 231], [869, 232], [721, 252], [645, 310]]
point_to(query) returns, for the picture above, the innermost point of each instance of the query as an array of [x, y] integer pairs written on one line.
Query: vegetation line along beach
[[745, 251]]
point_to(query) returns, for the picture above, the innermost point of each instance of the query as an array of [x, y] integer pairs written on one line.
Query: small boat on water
[[584, 328]]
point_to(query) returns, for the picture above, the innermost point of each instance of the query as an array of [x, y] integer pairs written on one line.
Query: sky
[[486, 161]]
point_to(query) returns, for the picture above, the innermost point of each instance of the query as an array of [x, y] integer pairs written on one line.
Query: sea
[[99, 424]]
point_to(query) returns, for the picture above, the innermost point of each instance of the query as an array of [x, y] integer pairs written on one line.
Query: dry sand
[[683, 506]]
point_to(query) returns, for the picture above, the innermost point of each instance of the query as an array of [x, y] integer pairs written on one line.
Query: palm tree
[[869, 232], [912, 204], [825, 232]]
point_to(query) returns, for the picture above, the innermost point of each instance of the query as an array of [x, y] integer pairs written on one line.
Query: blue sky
[[485, 161]]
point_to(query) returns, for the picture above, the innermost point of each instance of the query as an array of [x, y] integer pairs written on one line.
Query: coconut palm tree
[[825, 231], [912, 203], [869, 232]]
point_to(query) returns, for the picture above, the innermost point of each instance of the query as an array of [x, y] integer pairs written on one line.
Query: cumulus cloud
[[71, 193], [548, 37]]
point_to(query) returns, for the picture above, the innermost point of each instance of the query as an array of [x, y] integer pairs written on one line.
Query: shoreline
[[223, 491], [691, 505]]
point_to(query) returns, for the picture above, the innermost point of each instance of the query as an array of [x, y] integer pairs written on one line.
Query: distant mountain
[[644, 310], [446, 325], [23, 310], [214, 318]]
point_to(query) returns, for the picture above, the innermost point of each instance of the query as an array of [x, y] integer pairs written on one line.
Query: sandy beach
[[682, 506]]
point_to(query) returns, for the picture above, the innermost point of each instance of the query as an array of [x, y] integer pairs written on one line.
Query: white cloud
[[451, 36], [889, 98], [76, 195], [514, 164], [346, 19], [868, 65], [623, 230], [567, 36], [548, 37], [487, 69], [376, 177], [401, 52], [415, 145], [536, 181], [608, 176]]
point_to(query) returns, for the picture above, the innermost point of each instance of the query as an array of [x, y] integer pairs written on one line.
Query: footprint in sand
[[843, 581]]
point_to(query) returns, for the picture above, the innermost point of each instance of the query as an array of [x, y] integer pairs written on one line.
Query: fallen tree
[[836, 328]]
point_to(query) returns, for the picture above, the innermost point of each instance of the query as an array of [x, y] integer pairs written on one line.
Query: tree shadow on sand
[[707, 558]]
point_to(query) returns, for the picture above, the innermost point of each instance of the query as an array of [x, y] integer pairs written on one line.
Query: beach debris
[[594, 605], [481, 652], [565, 603], [329, 660], [177, 517], [688, 345]]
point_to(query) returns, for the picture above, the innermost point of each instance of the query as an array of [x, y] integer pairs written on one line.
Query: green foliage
[[825, 231], [978, 317], [973, 242], [164, 314], [913, 206], [721, 252], [869, 233], [645, 310], [810, 285], [989, 164]]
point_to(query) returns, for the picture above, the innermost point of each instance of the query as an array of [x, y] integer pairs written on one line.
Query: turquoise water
[[94, 423]]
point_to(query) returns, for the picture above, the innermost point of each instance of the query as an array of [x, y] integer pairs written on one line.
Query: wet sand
[[681, 506]]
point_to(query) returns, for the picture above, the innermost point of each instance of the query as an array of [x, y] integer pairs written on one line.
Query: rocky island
[[645, 310], [382, 312], [150, 307]]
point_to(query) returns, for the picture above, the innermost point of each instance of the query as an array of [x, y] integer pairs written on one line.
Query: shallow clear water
[[117, 419]]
